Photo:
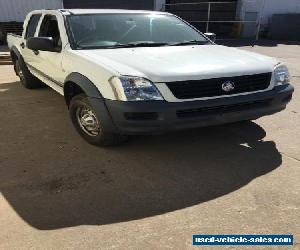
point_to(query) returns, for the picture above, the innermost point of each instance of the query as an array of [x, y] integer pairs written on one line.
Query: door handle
[[22, 45]]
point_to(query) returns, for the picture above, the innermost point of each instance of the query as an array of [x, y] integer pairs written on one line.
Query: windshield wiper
[[191, 42], [144, 44], [135, 45]]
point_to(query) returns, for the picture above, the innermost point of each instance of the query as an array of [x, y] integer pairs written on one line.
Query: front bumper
[[151, 117]]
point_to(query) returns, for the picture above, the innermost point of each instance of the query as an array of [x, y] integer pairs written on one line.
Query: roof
[[110, 11]]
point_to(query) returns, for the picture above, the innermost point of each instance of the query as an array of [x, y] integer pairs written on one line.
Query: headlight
[[281, 75], [129, 88]]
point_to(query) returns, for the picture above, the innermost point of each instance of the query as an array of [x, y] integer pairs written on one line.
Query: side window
[[49, 28], [31, 26]]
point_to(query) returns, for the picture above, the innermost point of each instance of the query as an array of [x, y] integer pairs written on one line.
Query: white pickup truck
[[125, 72]]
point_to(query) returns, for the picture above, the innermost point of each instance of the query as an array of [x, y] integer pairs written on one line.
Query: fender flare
[[84, 83], [94, 96], [16, 51]]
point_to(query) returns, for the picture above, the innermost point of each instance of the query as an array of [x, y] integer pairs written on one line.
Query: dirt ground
[[155, 192]]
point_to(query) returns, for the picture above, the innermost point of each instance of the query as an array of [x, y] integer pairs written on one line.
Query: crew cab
[[125, 72]]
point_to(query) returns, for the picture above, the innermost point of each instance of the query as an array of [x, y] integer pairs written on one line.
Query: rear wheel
[[88, 124], [26, 78]]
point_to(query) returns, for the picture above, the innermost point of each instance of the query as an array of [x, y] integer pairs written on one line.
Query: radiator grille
[[213, 87]]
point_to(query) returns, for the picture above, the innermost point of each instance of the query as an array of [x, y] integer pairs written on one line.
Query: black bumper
[[161, 116]]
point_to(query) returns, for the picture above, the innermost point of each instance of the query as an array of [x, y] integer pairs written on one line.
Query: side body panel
[[46, 66]]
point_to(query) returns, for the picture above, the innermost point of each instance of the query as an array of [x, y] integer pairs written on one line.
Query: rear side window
[[31, 26]]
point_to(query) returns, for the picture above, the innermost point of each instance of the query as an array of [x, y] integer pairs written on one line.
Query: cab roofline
[[108, 11]]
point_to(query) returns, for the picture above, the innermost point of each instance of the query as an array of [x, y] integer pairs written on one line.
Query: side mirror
[[42, 43], [211, 36]]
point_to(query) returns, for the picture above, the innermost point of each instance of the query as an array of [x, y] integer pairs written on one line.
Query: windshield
[[119, 30]]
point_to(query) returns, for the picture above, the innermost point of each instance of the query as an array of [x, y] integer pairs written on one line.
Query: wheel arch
[[15, 54], [77, 83]]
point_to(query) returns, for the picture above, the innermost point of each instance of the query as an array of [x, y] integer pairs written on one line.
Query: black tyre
[[88, 124], [28, 80]]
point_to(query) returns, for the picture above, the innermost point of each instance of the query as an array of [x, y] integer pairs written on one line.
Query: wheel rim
[[88, 121], [20, 72]]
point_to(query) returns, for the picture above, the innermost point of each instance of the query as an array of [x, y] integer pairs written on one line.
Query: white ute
[[128, 72]]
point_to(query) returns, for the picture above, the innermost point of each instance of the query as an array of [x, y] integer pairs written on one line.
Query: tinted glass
[[32, 24], [49, 28], [94, 30]]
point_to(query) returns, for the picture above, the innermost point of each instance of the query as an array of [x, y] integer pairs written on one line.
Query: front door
[[50, 63], [28, 55]]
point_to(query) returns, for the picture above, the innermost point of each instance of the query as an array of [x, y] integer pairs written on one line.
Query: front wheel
[[88, 124]]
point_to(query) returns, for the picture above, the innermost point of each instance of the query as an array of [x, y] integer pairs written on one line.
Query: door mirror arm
[[211, 36]]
